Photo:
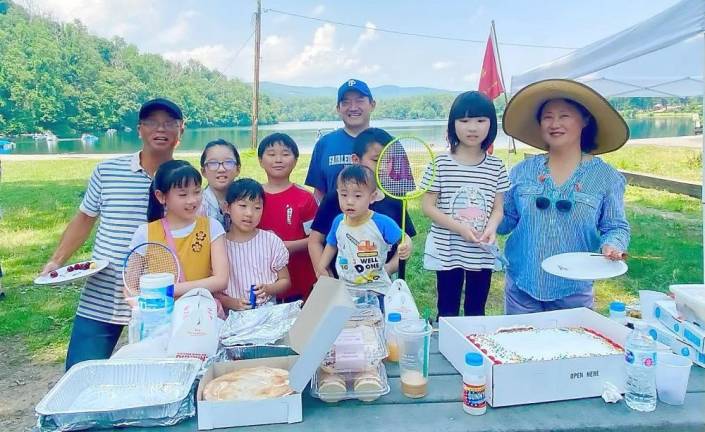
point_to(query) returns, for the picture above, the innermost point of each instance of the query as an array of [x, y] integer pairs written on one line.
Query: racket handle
[[402, 269]]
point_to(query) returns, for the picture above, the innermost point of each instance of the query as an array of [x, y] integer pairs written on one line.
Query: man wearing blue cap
[[333, 151], [116, 197]]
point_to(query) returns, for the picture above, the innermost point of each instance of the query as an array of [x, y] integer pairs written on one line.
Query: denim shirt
[[596, 218]]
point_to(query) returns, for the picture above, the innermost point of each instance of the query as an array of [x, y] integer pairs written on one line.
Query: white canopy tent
[[663, 56]]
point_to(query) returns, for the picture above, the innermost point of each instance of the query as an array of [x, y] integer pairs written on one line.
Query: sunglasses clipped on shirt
[[213, 165], [562, 205]]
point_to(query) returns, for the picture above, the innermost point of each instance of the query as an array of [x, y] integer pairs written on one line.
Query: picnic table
[[441, 410]]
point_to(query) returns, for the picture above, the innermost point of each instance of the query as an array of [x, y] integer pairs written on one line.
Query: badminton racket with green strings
[[405, 170]]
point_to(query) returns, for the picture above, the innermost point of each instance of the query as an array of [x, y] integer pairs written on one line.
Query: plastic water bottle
[[390, 335], [618, 312], [156, 302], [474, 384], [640, 356]]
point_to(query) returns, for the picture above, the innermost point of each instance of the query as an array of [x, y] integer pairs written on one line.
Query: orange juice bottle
[[391, 337]]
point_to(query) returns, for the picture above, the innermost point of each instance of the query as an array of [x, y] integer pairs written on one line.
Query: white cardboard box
[[665, 336], [322, 318], [541, 381], [667, 314]]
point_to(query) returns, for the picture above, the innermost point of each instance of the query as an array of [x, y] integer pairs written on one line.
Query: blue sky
[[304, 52]]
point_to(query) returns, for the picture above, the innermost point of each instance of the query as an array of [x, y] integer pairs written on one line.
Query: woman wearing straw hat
[[565, 200]]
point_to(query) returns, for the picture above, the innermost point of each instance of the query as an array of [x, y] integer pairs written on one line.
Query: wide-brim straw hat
[[520, 122]]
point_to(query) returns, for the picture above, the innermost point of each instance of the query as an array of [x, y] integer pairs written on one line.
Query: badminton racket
[[405, 170], [144, 259]]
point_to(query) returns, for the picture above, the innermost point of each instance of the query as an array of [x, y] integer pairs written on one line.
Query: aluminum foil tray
[[125, 392]]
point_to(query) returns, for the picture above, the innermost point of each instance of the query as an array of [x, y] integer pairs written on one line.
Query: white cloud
[[370, 32], [179, 30], [320, 59], [369, 69], [272, 41], [212, 56], [318, 10], [473, 77], [441, 64], [103, 17]]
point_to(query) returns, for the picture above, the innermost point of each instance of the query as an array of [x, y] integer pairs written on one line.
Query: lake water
[[304, 133]]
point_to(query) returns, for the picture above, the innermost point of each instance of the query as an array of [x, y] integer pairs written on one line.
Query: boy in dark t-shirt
[[366, 150]]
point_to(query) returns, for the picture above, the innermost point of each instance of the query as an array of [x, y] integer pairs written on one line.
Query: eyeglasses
[[562, 205], [170, 125], [214, 165]]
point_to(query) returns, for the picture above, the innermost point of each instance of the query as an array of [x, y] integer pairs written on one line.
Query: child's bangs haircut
[[368, 137], [170, 174], [278, 138], [358, 174], [472, 104], [220, 142], [244, 189]]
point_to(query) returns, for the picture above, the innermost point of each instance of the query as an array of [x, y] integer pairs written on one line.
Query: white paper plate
[[583, 266], [65, 276]]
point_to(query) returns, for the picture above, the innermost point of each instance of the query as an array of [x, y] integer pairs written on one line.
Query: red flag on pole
[[490, 81]]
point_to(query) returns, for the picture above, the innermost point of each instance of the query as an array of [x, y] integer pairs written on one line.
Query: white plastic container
[[690, 302], [155, 302], [474, 384]]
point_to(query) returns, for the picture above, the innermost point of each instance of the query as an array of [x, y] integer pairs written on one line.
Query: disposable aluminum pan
[[125, 392]]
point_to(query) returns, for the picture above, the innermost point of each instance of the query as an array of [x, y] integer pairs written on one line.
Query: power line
[[421, 35], [237, 53]]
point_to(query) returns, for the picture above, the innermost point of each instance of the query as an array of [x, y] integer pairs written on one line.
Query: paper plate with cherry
[[72, 272]]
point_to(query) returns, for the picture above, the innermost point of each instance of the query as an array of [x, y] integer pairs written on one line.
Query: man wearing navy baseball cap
[[333, 151], [116, 197]]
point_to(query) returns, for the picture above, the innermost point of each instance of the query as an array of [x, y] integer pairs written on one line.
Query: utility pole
[[255, 83]]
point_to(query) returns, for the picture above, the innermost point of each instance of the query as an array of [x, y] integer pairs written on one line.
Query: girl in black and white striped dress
[[452, 247]]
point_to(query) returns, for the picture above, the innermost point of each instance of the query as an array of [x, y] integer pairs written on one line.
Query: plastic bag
[[194, 332], [399, 299]]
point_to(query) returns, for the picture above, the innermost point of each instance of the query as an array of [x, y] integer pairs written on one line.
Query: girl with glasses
[[565, 200], [220, 165]]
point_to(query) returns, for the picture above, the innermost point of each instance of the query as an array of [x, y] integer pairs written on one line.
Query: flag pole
[[495, 44]]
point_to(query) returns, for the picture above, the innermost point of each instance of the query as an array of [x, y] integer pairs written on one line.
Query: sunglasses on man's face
[[562, 205]]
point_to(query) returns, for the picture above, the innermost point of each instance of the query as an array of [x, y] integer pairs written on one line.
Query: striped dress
[[117, 194], [253, 262], [445, 249]]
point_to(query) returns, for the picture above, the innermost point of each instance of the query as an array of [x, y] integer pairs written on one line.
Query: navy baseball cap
[[354, 84], [160, 104]]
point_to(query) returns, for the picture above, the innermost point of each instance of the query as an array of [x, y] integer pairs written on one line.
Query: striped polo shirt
[[446, 249], [117, 193]]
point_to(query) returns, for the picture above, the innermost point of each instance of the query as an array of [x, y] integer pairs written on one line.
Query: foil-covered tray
[[261, 326], [125, 392]]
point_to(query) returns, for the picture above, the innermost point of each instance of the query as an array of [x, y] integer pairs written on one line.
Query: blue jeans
[[517, 301], [91, 340]]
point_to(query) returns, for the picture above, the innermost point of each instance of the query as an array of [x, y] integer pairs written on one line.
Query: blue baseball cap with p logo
[[354, 85]]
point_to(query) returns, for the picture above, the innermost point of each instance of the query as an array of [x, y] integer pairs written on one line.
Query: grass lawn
[[39, 197]]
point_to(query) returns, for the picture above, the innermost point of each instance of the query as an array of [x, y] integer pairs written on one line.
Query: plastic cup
[[414, 338], [647, 298], [672, 373]]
